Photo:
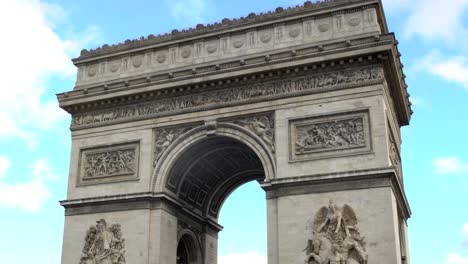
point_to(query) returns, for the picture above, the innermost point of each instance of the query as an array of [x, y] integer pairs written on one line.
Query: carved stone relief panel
[[295, 31], [261, 125], [331, 135], [163, 138], [394, 152], [298, 32], [109, 164], [334, 237], [252, 92], [103, 244], [265, 37]]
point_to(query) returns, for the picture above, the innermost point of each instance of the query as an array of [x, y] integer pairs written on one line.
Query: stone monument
[[306, 100]]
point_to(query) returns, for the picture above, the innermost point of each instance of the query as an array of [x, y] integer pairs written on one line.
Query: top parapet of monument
[[226, 23]]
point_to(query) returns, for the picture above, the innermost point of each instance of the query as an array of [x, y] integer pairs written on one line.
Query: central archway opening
[[207, 172], [203, 177], [244, 217]]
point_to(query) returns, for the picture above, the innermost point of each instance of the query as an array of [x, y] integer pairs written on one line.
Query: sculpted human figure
[[100, 250], [261, 127], [103, 245], [315, 252], [337, 228], [333, 219], [352, 242]]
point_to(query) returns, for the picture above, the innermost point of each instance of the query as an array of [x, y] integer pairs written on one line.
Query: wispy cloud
[[32, 54], [442, 21], [450, 165], [437, 19], [432, 19], [4, 165], [454, 69], [454, 258], [30, 195], [190, 11], [244, 258], [465, 235], [391, 5]]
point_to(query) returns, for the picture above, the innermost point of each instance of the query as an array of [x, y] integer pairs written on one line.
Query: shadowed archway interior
[[207, 172]]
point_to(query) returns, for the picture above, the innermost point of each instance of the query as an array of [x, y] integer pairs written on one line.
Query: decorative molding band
[[353, 180], [251, 61], [329, 135], [232, 45], [225, 24], [257, 91], [135, 201], [109, 164]]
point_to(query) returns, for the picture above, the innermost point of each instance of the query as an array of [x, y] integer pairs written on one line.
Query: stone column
[[163, 237]]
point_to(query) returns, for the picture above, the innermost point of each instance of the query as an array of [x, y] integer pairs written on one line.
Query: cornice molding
[[132, 84], [317, 8], [307, 82], [354, 180]]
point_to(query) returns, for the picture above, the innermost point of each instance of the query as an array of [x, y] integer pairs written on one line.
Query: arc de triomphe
[[308, 101]]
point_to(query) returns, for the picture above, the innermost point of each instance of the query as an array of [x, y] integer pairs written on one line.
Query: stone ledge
[[225, 24], [349, 180], [351, 19]]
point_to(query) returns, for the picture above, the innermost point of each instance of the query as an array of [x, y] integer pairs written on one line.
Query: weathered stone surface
[[240, 95], [104, 244], [322, 136], [308, 101], [106, 164]]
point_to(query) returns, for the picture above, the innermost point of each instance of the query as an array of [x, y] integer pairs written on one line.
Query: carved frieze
[[329, 135], [334, 237], [103, 244], [108, 164], [300, 31], [164, 137], [394, 153], [261, 125], [253, 92]]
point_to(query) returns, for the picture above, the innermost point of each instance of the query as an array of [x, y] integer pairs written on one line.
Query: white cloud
[[454, 69], [189, 11], [453, 258], [32, 53], [4, 165], [450, 165], [437, 19], [244, 258], [31, 195], [42, 170], [391, 5]]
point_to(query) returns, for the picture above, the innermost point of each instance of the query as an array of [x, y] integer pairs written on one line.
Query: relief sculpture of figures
[[262, 126], [334, 237], [246, 93], [164, 137], [334, 134], [109, 163], [103, 245]]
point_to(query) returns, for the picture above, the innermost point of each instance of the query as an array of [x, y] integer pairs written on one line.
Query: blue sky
[[40, 37]]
